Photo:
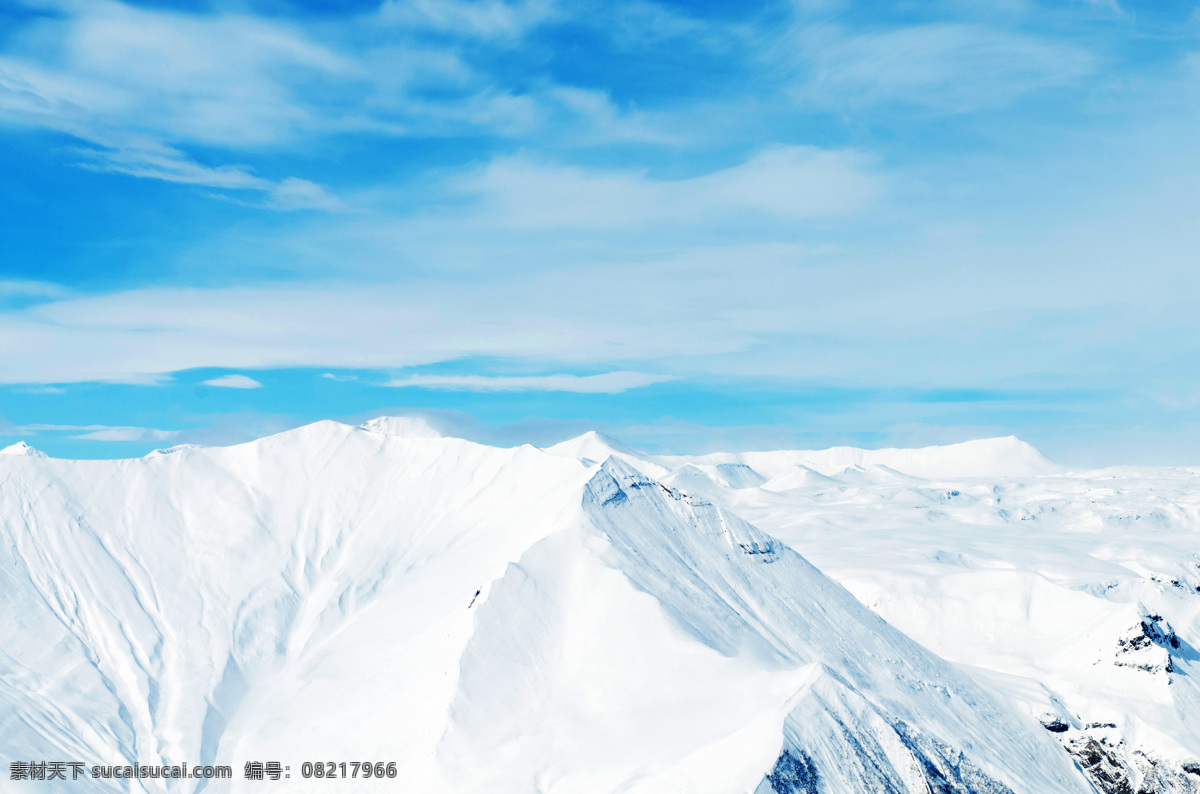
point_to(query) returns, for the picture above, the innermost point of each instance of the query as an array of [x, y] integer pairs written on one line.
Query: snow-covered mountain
[[1076, 594], [587, 618], [407, 426], [21, 448]]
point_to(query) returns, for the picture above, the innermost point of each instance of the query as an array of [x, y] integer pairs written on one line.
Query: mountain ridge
[[526, 610]]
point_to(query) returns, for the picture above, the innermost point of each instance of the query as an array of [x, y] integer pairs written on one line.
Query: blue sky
[[692, 225]]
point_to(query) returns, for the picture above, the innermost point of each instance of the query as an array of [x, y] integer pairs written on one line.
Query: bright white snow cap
[[21, 448], [406, 426]]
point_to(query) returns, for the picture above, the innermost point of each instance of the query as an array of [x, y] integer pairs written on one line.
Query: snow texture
[[21, 448], [591, 619]]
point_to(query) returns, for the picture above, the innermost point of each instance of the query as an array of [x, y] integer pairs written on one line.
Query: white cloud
[[234, 382], [498, 112], [128, 434], [145, 89], [152, 160], [339, 378], [947, 67], [29, 289], [143, 85], [606, 383], [139, 85], [917, 311], [224, 79], [134, 335], [599, 119], [1111, 6], [489, 19], [300, 194], [103, 432], [41, 389], [790, 183], [138, 378]]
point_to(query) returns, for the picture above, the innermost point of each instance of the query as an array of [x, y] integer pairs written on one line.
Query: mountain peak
[[593, 445], [21, 448], [1006, 456], [1001, 456], [404, 426]]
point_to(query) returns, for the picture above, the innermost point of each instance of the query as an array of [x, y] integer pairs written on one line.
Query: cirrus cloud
[[786, 182], [946, 67], [604, 383], [234, 382]]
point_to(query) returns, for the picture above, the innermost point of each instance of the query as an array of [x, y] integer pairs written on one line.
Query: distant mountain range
[[589, 618]]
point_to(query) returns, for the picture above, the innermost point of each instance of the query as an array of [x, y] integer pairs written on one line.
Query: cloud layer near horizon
[[600, 199]]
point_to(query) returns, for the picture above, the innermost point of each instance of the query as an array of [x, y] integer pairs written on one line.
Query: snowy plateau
[[588, 618]]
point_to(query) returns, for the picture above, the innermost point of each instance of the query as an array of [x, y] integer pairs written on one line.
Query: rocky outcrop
[[1148, 645], [1116, 769]]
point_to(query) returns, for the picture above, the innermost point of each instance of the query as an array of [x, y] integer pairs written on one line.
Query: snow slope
[[217, 603], [21, 448], [1077, 594], [406, 426], [518, 620]]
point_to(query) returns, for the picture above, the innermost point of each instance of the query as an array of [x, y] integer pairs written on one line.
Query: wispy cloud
[[792, 183], [211, 78], [142, 87], [234, 382], [137, 378], [152, 160], [1112, 7], [23, 292], [147, 89], [127, 434], [750, 194], [41, 389], [945, 66], [489, 19], [138, 84], [605, 383], [32, 289], [157, 161], [781, 310], [102, 432], [599, 120]]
